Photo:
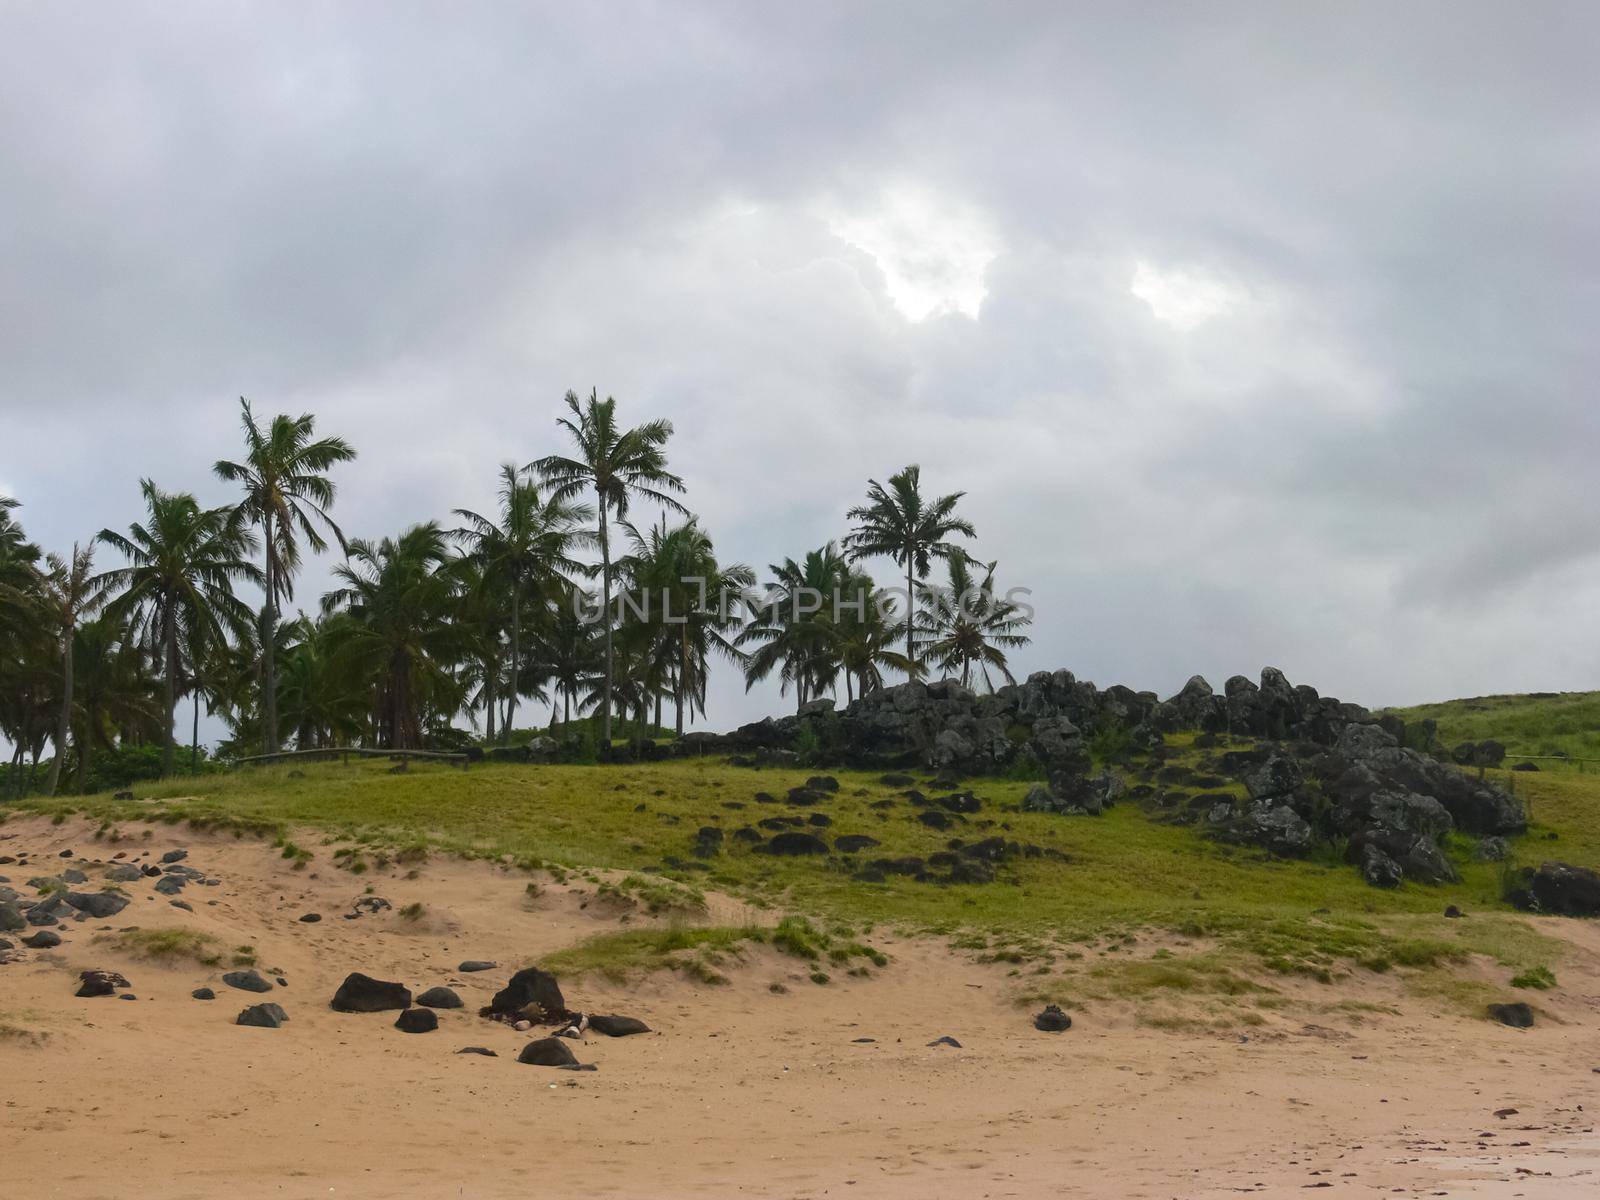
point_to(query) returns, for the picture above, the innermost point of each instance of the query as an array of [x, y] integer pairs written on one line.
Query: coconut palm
[[176, 592], [966, 625], [322, 704], [400, 638], [528, 553], [898, 522], [114, 694], [567, 644], [863, 637], [19, 573], [287, 493], [619, 466], [69, 592], [689, 605], [792, 629]]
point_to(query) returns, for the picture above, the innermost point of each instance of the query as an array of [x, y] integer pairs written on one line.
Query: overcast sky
[[1258, 334]]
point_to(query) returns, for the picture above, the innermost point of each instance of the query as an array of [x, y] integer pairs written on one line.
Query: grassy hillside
[[1540, 723]]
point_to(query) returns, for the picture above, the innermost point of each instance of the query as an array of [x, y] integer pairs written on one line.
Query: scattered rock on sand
[[124, 873], [483, 1050], [203, 993], [246, 981], [11, 918], [439, 997], [1052, 1020], [97, 904], [530, 986], [101, 983], [417, 1020], [945, 1041], [473, 964], [172, 856], [615, 1026], [45, 939], [171, 885], [362, 993], [310, 918], [262, 1016], [547, 1052], [1517, 1015]]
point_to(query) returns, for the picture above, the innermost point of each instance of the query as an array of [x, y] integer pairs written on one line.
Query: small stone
[[203, 993], [247, 981], [417, 1020], [614, 1026], [1452, 911], [473, 964], [1052, 1020], [100, 983], [172, 856], [522, 1026], [945, 1041], [547, 1052], [439, 997], [263, 1016], [483, 1050], [310, 918], [1517, 1015]]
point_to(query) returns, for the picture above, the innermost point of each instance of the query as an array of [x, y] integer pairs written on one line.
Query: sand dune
[[741, 1091]]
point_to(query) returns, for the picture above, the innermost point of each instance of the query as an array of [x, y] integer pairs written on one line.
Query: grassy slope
[[1236, 911], [1546, 723]]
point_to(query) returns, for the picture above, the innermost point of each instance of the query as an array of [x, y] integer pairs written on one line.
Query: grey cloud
[[427, 224]]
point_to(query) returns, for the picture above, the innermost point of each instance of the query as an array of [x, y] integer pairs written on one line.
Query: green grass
[[1116, 875], [169, 945], [619, 955], [1542, 723]]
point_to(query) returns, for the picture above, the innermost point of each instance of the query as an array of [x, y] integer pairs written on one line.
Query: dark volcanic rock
[[98, 904], [615, 1026], [530, 986], [475, 964], [1517, 1015], [203, 993], [854, 843], [439, 997], [362, 993], [823, 783], [100, 983], [172, 856], [483, 1050], [547, 1052], [934, 818], [246, 981], [795, 842], [44, 939], [171, 885], [806, 796], [947, 1040], [11, 918], [1378, 869], [1559, 888], [896, 781], [310, 918], [417, 1020], [1052, 1020], [263, 1016]]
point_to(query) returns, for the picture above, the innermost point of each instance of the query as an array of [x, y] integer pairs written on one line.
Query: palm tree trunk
[[911, 609], [269, 666], [85, 746], [516, 656], [170, 688], [605, 615], [683, 669], [488, 703], [65, 723], [194, 733]]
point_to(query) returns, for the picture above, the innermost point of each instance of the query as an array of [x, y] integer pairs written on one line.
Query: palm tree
[[69, 594], [529, 550], [19, 572], [284, 474], [619, 467], [864, 638], [568, 646], [112, 688], [400, 637], [322, 704], [792, 629], [686, 594], [897, 521], [964, 625], [177, 589]]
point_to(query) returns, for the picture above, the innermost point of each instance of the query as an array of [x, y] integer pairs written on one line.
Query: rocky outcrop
[[1559, 888]]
